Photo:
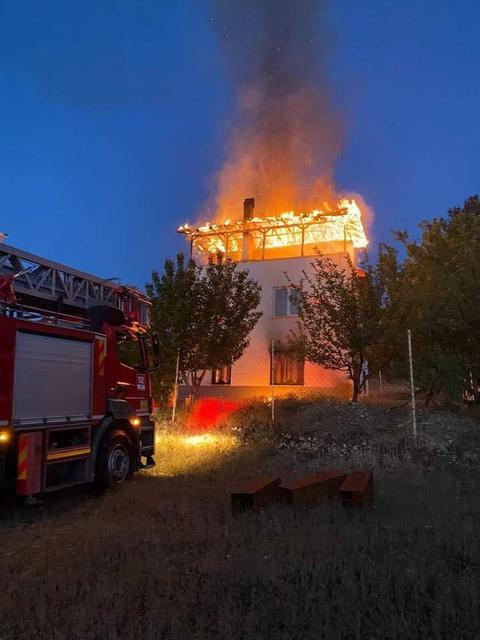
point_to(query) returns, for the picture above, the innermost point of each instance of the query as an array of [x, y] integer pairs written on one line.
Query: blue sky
[[113, 120]]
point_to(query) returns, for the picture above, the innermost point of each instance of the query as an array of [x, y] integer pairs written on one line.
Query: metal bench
[[256, 493], [357, 488], [313, 488]]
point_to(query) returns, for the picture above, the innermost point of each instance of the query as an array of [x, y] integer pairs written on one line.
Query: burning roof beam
[[341, 224]]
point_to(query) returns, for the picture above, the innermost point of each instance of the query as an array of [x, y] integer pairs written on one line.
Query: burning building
[[277, 251], [284, 137]]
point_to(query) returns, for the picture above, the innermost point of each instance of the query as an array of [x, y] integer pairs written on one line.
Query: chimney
[[248, 207]]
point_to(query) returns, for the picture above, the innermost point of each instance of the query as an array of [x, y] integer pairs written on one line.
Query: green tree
[[442, 293], [350, 317], [205, 314]]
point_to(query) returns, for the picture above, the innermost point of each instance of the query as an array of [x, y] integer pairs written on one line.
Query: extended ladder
[[54, 283]]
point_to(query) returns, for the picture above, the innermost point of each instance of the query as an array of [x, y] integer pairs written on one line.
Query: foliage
[[204, 314], [440, 373], [442, 294], [350, 317]]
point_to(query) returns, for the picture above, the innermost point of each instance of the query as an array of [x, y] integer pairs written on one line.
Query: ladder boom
[[41, 280]]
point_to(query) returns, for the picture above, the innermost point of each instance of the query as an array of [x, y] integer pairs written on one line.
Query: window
[[287, 367], [128, 350], [285, 302], [293, 302], [280, 301], [222, 375]]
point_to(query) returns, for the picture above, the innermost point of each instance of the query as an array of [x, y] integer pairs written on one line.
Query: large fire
[[341, 224]]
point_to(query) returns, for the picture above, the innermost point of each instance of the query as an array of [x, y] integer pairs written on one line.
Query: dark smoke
[[286, 135]]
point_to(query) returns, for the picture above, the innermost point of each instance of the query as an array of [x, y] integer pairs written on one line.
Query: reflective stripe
[[22, 457], [102, 352], [72, 453]]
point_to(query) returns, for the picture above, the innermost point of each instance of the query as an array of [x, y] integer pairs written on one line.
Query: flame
[[340, 223]]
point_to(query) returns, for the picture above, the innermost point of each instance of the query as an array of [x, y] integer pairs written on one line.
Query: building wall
[[251, 373]]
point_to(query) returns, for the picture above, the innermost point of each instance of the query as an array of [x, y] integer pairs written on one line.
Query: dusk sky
[[114, 120]]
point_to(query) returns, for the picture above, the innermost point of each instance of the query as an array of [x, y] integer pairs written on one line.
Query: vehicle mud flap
[[147, 439]]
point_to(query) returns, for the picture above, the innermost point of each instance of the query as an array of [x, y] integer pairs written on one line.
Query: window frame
[[287, 366], [228, 368], [289, 289], [121, 337]]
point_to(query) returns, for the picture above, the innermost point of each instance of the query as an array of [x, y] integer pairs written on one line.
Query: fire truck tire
[[115, 461]]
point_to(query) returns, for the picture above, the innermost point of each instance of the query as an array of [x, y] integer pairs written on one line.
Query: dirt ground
[[164, 557]]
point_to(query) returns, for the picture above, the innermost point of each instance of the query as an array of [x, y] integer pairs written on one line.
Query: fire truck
[[75, 358]]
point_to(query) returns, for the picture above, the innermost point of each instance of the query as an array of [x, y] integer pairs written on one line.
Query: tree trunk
[[357, 372], [194, 380], [429, 396], [355, 391], [356, 375]]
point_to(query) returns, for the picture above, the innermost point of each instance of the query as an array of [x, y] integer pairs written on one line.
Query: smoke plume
[[286, 136]]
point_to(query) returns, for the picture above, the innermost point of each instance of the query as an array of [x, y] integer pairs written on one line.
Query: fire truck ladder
[[41, 279]]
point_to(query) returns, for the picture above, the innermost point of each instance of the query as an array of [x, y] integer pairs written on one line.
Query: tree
[[205, 314], [350, 317], [442, 293]]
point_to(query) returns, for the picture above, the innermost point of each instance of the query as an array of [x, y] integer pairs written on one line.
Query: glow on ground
[[180, 453], [200, 441]]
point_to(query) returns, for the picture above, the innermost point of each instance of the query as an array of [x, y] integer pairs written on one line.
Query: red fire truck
[[75, 358]]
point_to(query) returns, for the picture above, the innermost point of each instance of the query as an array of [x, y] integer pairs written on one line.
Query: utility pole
[[412, 386]]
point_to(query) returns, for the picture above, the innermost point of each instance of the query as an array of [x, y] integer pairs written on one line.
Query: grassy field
[[164, 557]]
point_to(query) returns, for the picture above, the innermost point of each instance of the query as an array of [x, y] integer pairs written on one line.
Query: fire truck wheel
[[115, 460]]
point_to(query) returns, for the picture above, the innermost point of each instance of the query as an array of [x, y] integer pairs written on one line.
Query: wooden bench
[[311, 489], [256, 493], [357, 488]]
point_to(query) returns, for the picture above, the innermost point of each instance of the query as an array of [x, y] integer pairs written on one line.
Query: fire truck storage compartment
[[66, 473], [53, 379]]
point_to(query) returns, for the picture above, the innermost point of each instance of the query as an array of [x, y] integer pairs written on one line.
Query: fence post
[[412, 385], [175, 388], [272, 355]]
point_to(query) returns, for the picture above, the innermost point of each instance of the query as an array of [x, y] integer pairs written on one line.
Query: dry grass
[[165, 558]]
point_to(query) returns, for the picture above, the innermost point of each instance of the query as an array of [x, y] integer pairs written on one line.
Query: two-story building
[[277, 251]]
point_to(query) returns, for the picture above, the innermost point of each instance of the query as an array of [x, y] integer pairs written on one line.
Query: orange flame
[[341, 223]]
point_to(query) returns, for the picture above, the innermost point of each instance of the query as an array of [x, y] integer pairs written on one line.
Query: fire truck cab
[[75, 358]]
